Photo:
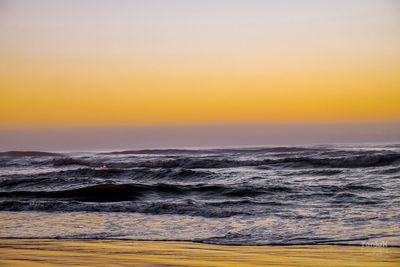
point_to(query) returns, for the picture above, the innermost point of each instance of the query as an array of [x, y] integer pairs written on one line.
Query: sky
[[145, 63], [194, 136]]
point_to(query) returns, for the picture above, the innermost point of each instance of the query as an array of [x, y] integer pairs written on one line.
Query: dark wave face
[[268, 195]]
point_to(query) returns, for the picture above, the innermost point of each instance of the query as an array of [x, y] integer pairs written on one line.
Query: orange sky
[[148, 62]]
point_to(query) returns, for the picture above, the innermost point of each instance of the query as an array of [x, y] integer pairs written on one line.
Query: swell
[[66, 161], [184, 207], [28, 154], [375, 160], [136, 191], [129, 192], [312, 172], [251, 150], [350, 160], [179, 208], [61, 178], [387, 171]]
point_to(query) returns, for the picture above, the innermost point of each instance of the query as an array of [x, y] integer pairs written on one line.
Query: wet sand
[[34, 252]]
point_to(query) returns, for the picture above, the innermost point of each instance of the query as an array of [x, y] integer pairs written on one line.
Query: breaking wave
[[125, 192]]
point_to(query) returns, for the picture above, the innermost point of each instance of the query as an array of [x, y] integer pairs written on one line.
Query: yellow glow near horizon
[[235, 70]]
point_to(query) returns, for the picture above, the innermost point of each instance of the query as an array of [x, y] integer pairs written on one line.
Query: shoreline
[[106, 252], [372, 244]]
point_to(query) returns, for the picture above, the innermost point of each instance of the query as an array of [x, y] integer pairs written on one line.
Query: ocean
[[320, 194]]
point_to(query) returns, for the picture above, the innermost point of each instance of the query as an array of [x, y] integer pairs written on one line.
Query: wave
[[334, 190], [95, 193], [215, 151], [131, 192], [360, 187], [237, 238], [294, 162], [193, 163], [28, 154], [12, 183], [171, 174], [89, 172], [313, 172], [58, 176], [54, 179], [71, 161], [5, 162], [153, 151], [374, 160], [190, 162], [110, 192], [385, 171], [190, 207]]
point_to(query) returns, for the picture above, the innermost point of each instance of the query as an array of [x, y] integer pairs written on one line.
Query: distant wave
[[212, 151], [28, 154], [66, 161], [59, 174], [61, 178], [350, 160], [153, 151], [294, 162]]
